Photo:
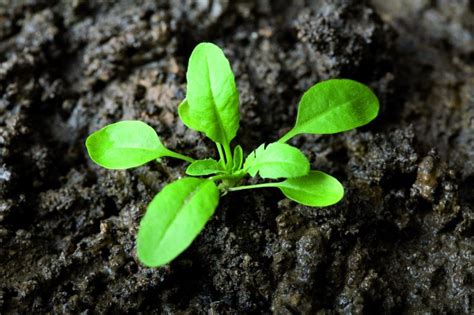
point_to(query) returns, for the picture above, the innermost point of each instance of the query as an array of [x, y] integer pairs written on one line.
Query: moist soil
[[400, 241]]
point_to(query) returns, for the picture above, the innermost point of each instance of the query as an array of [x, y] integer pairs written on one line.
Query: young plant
[[178, 213]]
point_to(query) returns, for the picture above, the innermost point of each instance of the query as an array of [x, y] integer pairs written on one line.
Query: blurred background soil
[[401, 241]]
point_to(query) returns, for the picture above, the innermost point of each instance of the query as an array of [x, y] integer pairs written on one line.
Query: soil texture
[[401, 241]]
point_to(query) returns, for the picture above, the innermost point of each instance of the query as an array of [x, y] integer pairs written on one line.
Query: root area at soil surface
[[401, 240]]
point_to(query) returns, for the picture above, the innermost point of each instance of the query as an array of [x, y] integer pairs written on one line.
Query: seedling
[[178, 213]]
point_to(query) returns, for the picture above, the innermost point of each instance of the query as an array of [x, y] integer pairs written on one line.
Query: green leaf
[[317, 189], [125, 144], [212, 100], [204, 167], [174, 218], [238, 158], [277, 160], [334, 106]]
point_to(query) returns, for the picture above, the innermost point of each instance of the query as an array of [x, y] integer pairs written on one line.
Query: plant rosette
[[180, 211]]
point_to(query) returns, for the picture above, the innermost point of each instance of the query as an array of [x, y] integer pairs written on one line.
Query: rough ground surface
[[400, 241]]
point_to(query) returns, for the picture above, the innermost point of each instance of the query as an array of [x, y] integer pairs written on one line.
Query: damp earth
[[401, 241]]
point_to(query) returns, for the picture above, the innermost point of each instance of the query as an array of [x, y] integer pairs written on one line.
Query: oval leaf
[[277, 160], [124, 144], [334, 106], [212, 100], [238, 158], [174, 218], [317, 189], [204, 167]]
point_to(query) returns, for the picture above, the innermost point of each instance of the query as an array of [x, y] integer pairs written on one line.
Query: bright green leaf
[[125, 144], [317, 189], [212, 100], [174, 218], [334, 106], [204, 167], [277, 160], [238, 158]]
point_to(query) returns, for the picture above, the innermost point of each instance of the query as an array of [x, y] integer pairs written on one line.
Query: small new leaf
[[174, 218], [125, 144], [212, 100], [317, 189], [334, 106], [277, 160], [204, 167], [238, 158]]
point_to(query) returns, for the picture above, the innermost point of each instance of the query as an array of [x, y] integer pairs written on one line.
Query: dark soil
[[401, 241]]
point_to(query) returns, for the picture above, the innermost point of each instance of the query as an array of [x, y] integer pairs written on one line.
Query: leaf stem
[[221, 153], [228, 156], [179, 156], [287, 136], [264, 185]]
